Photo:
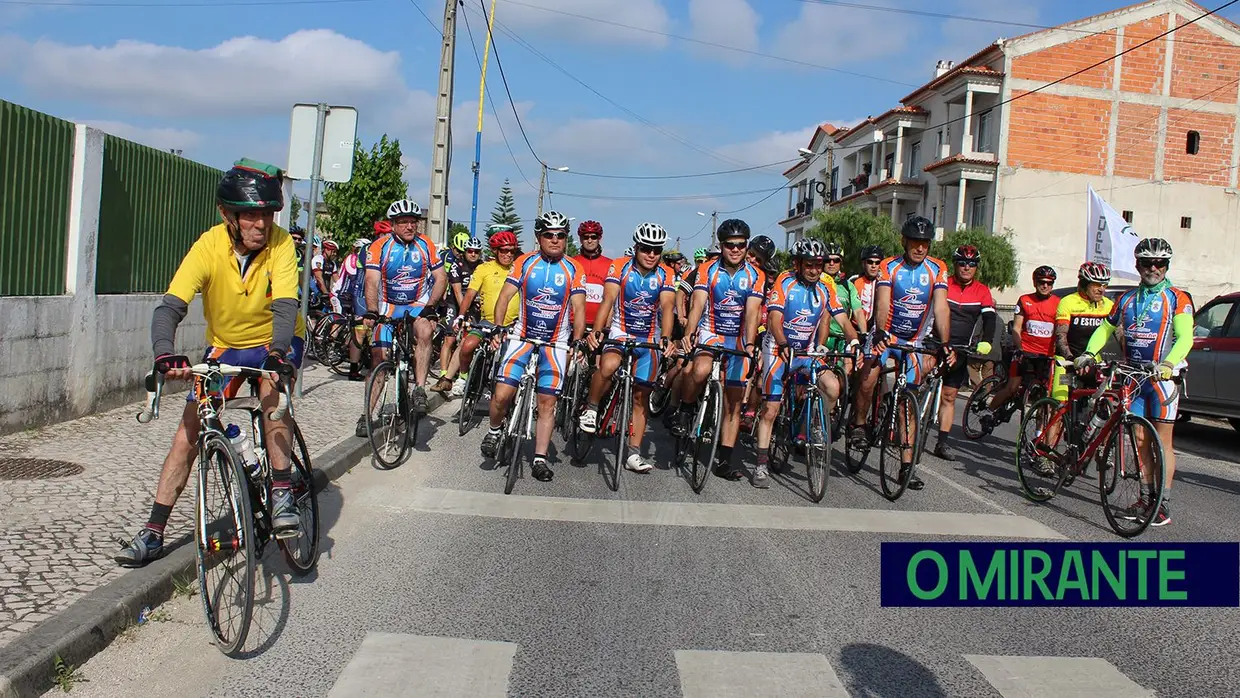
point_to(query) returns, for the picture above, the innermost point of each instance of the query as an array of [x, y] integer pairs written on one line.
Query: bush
[[999, 266], [855, 229]]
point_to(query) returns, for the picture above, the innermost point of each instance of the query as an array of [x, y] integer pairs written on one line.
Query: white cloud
[[161, 138], [226, 79], [843, 35], [728, 22], [962, 38], [580, 142], [773, 146], [555, 16]]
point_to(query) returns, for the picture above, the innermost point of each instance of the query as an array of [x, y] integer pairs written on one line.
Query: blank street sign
[[339, 134]]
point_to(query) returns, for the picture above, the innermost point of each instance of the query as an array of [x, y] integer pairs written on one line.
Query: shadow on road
[[1207, 441], [877, 671]]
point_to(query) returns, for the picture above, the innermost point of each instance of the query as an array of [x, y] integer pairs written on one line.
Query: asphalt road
[[434, 583]]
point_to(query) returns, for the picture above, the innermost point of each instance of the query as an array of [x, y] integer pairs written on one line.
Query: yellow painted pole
[[482, 94]]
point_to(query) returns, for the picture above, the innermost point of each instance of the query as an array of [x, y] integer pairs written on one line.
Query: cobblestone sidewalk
[[58, 534]]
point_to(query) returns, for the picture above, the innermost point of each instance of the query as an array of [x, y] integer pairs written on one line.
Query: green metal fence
[[36, 165], [154, 206]]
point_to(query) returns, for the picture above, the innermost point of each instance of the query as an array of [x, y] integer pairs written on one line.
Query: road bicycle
[[979, 420], [930, 398], [896, 418], [1055, 446], [482, 367], [617, 407], [700, 441], [392, 423], [230, 534], [519, 426], [661, 393], [571, 404], [804, 420]]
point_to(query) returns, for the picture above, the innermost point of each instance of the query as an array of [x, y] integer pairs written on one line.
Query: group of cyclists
[[562, 307]]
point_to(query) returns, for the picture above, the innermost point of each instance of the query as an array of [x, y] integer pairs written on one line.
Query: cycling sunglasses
[[734, 245], [589, 236], [1153, 263], [506, 250], [648, 249], [873, 261], [834, 260], [548, 235], [967, 263]]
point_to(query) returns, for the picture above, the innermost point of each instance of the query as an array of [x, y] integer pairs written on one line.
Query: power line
[[434, 26], [725, 47], [682, 197], [504, 78], [683, 176], [759, 201], [166, 5]]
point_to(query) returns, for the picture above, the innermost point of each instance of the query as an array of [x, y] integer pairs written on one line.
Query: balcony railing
[[846, 191]]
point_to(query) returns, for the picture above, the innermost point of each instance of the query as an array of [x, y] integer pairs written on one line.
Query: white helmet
[[360, 243], [651, 234], [404, 207], [1153, 248], [550, 220], [628, 252]]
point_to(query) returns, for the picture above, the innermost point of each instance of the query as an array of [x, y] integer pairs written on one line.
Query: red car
[[1212, 384]]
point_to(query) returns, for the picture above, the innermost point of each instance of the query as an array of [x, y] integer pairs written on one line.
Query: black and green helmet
[[251, 186]]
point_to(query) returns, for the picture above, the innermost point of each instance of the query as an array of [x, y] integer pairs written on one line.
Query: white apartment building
[[991, 143]]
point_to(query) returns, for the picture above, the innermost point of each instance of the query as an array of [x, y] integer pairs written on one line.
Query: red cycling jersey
[[1037, 335], [596, 275]]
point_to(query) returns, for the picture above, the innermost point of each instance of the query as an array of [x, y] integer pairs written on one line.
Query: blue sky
[[219, 81]]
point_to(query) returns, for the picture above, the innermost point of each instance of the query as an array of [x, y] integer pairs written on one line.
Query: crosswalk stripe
[[718, 674], [1056, 677], [390, 664], [802, 518]]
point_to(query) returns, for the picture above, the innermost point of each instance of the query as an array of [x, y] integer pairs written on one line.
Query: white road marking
[[391, 664], [1056, 677], [931, 523], [707, 674]]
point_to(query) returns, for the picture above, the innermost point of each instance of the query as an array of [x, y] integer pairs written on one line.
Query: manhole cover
[[36, 469]]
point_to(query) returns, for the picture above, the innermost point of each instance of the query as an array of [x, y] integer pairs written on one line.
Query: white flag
[[1110, 240]]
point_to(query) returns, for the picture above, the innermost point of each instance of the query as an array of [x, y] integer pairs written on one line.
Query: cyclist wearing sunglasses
[[968, 300], [727, 300], [1156, 321], [910, 302], [594, 264], [871, 262], [1033, 332], [484, 286], [550, 291], [850, 299], [637, 305]]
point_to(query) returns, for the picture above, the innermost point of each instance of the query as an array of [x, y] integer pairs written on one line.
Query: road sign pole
[[315, 177]]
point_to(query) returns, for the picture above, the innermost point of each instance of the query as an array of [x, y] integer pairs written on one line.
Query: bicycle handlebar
[[717, 349], [630, 344], [155, 385]]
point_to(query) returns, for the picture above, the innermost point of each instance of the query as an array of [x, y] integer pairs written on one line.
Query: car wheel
[[1235, 423]]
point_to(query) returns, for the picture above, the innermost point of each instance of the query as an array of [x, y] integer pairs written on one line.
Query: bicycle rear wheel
[[857, 443], [818, 448], [841, 411], [1042, 451], [578, 442], [388, 406], [473, 392], [970, 420], [1129, 510], [899, 435], [623, 419], [515, 434], [224, 539], [661, 394], [302, 552], [706, 436]]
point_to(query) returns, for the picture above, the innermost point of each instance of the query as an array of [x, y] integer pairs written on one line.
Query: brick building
[[990, 143]]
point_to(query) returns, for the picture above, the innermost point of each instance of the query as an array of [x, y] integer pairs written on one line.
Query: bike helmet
[[591, 227], [404, 207], [673, 258], [459, 241], [503, 238], [1044, 272], [473, 245], [296, 230], [360, 243], [732, 228], [651, 234], [1153, 248], [763, 247], [699, 255], [1094, 272], [808, 249], [870, 252], [917, 228], [497, 227], [251, 186], [550, 220], [712, 252], [967, 253], [832, 249], [330, 245], [382, 227]]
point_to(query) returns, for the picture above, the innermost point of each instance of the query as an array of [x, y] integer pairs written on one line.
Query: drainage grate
[[36, 469]]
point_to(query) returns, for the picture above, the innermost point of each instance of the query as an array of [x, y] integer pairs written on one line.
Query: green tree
[[457, 228], [294, 210], [855, 229], [999, 266], [378, 180], [506, 210]]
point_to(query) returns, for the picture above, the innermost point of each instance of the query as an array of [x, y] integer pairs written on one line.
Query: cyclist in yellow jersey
[[246, 270], [485, 285], [1077, 316]]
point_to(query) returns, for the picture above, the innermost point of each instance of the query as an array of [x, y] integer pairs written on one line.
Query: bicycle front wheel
[[385, 426], [818, 449], [978, 402], [514, 434], [1042, 452], [473, 391], [1132, 494], [898, 440], [706, 435], [224, 538], [302, 552], [623, 416]]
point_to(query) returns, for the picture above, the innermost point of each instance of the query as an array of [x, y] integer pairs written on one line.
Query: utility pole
[[441, 156], [542, 184]]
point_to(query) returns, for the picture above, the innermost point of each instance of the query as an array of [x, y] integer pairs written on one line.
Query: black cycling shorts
[[957, 375]]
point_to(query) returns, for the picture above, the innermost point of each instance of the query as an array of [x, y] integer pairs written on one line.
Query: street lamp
[[714, 221], [805, 152], [542, 183]]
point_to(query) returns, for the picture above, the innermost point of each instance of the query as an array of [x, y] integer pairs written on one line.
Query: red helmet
[[593, 227], [383, 227], [1094, 272], [503, 238], [967, 253]]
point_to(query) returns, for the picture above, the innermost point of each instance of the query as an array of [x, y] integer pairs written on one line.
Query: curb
[[88, 626]]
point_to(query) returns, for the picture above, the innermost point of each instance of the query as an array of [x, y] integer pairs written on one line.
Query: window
[[835, 183], [1186, 222], [938, 149], [914, 161], [1193, 143], [1211, 321], [984, 128], [1127, 215], [977, 216], [889, 162], [934, 214]]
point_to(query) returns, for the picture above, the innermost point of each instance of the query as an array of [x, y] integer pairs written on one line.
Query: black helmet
[[917, 228], [251, 186], [732, 228], [763, 247], [870, 252], [1044, 272], [295, 229]]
